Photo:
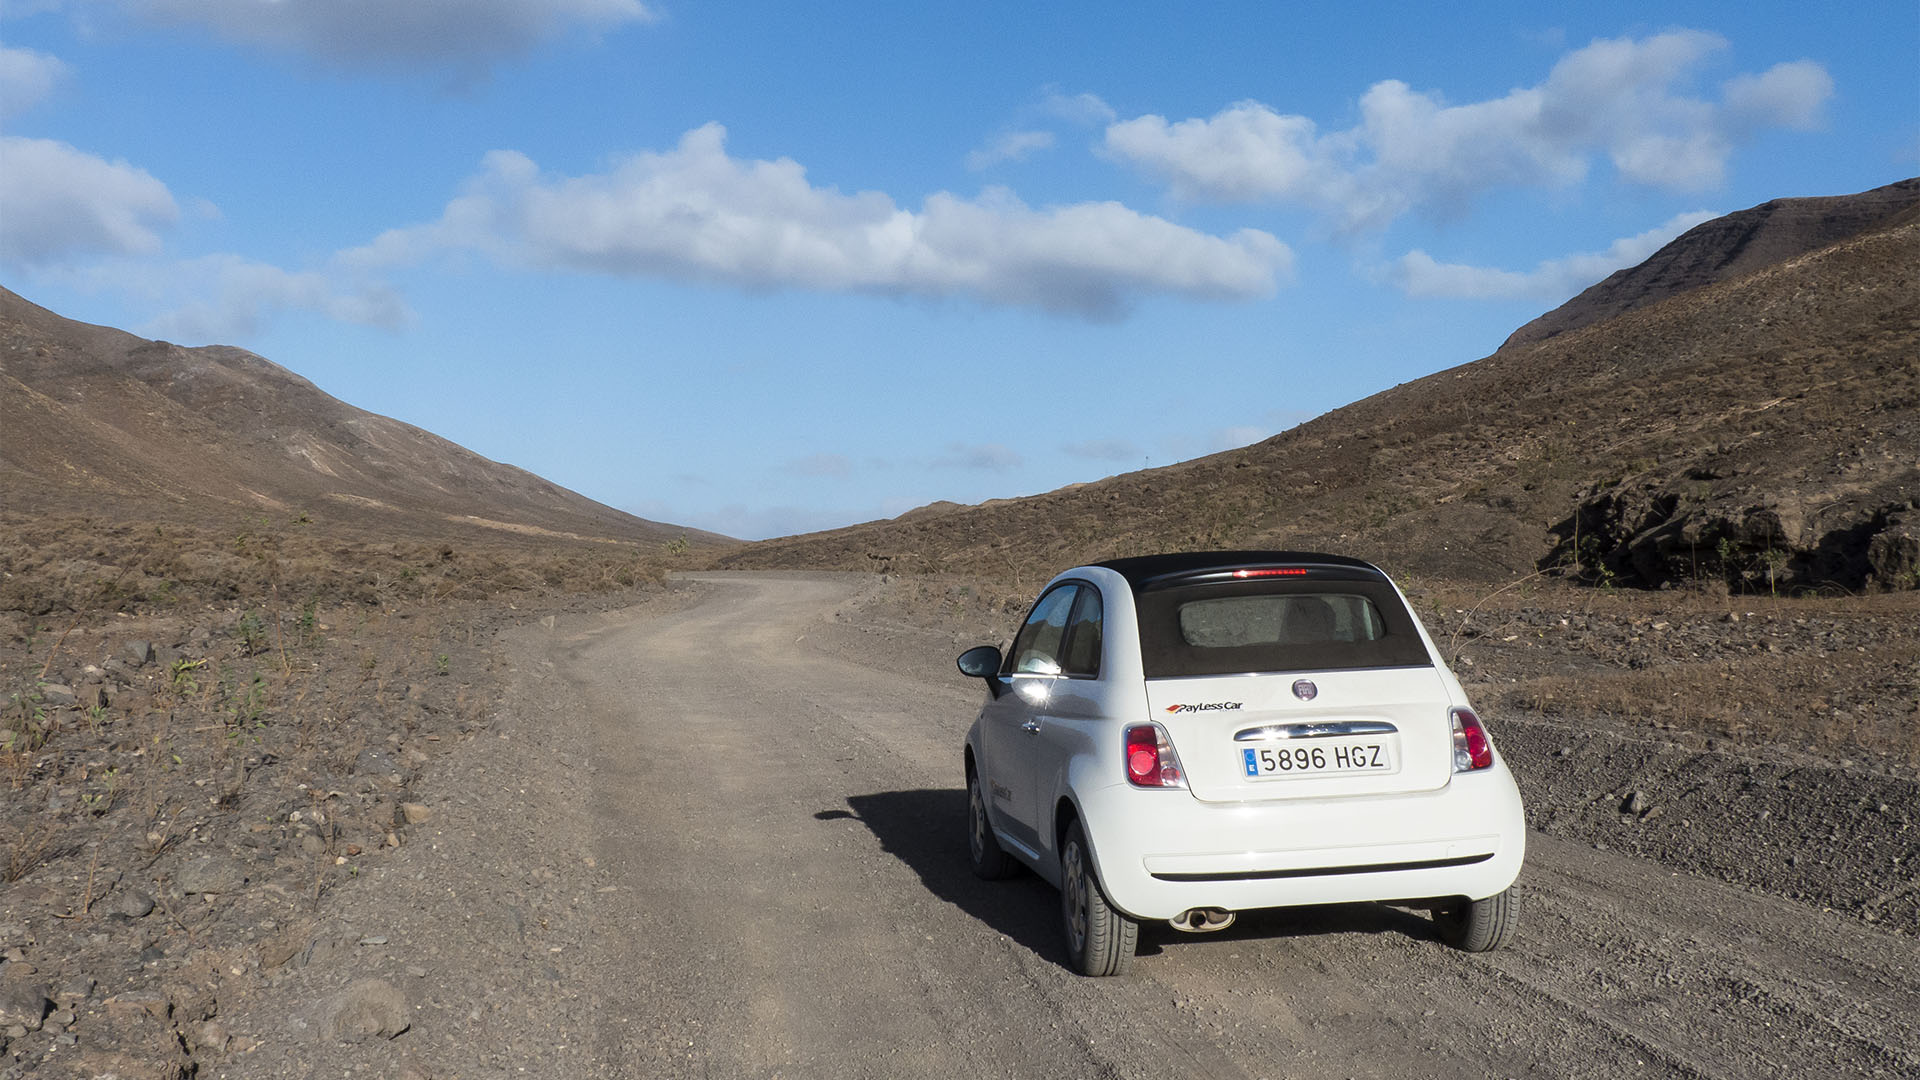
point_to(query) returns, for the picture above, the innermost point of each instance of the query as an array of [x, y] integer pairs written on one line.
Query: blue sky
[[765, 268]]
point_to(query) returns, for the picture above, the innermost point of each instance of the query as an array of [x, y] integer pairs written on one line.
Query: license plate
[[1292, 760]]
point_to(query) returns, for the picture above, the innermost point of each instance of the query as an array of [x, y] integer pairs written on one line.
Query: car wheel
[[1100, 940], [1478, 925], [983, 851]]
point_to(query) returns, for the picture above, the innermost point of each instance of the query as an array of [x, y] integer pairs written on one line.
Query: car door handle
[[1031, 727]]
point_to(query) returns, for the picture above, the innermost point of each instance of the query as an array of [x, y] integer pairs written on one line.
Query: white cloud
[[1419, 274], [1785, 95], [64, 208], [694, 213], [1622, 99], [26, 78], [396, 33], [1084, 109], [1244, 153], [1113, 450], [229, 298], [1233, 438], [1010, 146], [985, 457], [62, 202], [830, 465]]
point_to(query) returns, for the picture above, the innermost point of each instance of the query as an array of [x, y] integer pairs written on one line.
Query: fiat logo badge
[[1305, 690]]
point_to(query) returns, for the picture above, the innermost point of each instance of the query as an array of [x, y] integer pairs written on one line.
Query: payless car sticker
[[1205, 706]]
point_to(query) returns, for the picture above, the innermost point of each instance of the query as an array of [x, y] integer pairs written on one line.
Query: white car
[[1183, 737]]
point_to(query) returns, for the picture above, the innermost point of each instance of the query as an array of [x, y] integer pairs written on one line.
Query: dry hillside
[[1759, 429], [1726, 248], [101, 421]]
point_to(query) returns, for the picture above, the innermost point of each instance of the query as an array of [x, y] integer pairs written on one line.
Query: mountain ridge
[[102, 416], [1728, 247], [1755, 431]]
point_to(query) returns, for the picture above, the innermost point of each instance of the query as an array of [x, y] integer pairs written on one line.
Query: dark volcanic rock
[[1894, 551]]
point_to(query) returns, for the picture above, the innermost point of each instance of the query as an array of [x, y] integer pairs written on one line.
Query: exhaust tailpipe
[[1202, 920]]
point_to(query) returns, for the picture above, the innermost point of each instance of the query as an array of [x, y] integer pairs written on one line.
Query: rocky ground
[[227, 844], [189, 803]]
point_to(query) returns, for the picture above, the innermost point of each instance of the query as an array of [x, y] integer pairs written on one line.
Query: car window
[[1084, 632], [1306, 619], [1036, 649], [1242, 627]]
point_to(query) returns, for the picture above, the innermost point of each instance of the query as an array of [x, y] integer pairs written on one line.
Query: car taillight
[[1150, 760], [1471, 747]]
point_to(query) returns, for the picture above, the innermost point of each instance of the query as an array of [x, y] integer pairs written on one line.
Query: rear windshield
[[1257, 626]]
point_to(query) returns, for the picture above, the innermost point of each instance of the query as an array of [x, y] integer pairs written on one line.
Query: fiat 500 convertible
[[1184, 737]]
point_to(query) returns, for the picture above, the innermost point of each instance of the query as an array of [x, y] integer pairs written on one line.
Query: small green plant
[[100, 803], [676, 546], [442, 664], [23, 727], [252, 632], [1775, 562], [249, 709], [180, 680]]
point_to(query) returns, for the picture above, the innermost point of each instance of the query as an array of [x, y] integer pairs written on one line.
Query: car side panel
[[1003, 756], [1086, 748], [1081, 744]]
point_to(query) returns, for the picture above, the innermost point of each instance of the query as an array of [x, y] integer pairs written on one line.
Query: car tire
[[989, 861], [1478, 925], [1100, 940]]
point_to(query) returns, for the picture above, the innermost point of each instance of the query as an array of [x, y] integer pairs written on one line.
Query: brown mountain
[[1726, 248], [1743, 407], [99, 421]]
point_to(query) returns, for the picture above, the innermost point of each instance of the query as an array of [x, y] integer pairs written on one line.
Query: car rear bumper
[[1163, 852]]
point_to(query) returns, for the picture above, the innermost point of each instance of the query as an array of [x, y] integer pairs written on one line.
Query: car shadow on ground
[[926, 830]]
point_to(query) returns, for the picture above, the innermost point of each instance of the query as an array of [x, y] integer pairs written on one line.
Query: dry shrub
[[32, 845]]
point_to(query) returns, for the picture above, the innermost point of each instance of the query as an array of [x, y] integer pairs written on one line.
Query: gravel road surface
[[722, 836], [785, 824]]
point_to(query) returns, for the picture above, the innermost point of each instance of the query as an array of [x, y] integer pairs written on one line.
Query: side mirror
[[980, 662]]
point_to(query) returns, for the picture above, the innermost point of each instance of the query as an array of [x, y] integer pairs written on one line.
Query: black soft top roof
[[1145, 571]]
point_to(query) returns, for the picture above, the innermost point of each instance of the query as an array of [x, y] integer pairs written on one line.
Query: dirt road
[[781, 820]]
